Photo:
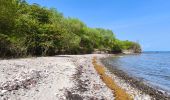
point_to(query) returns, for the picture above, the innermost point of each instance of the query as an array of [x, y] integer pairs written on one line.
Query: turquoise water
[[151, 67]]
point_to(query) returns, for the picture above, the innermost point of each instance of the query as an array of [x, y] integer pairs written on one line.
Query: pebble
[[3, 92]]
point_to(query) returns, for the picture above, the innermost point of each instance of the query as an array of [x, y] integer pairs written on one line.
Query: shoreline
[[67, 77], [120, 94], [33, 78], [135, 83]]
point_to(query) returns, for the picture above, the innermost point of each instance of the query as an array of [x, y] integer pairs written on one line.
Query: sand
[[62, 77]]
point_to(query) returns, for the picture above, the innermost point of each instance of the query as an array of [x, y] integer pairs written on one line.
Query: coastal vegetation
[[39, 31]]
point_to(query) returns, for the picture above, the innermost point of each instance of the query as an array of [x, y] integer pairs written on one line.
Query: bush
[[38, 31], [7, 49]]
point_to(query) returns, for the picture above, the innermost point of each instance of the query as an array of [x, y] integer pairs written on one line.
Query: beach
[[84, 50], [61, 77]]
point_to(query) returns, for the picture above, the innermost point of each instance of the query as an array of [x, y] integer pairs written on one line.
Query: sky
[[143, 21]]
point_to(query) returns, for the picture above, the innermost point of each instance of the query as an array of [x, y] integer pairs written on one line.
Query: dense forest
[[32, 30]]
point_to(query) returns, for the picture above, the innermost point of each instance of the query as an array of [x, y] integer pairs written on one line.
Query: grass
[[120, 94]]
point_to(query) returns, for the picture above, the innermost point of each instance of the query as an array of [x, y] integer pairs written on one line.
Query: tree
[[38, 31], [7, 15]]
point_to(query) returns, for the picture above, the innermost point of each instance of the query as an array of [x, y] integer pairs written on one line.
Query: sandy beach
[[62, 77], [51, 78]]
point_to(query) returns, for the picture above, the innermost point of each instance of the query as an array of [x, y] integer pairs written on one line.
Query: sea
[[152, 67]]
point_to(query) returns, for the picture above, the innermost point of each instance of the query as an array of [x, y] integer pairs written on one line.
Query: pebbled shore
[[63, 77], [142, 89]]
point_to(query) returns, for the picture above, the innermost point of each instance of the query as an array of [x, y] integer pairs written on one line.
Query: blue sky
[[145, 21]]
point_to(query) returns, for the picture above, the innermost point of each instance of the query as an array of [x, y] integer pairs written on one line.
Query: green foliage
[[34, 30], [7, 48], [8, 10], [119, 46]]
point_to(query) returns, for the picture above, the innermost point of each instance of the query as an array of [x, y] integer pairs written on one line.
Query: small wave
[[151, 67]]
